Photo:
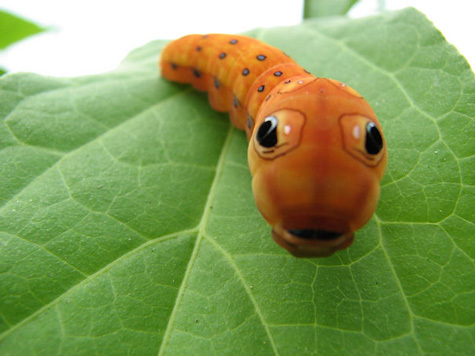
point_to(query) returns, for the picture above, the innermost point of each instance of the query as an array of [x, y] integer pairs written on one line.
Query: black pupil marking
[[245, 71], [197, 73], [261, 57], [287, 81], [267, 133], [278, 73], [222, 55], [311, 234], [373, 141], [233, 41], [198, 48], [261, 88]]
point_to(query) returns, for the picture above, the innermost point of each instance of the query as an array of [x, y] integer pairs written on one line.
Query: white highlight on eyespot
[[356, 132], [287, 129]]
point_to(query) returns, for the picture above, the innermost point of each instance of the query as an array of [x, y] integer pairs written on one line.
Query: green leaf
[[128, 224], [14, 29], [326, 8]]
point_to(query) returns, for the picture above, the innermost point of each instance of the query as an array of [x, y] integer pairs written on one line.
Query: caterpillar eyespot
[[267, 133], [316, 149], [373, 141]]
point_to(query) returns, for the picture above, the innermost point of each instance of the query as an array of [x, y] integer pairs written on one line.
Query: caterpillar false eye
[[267, 132], [316, 149], [362, 139], [374, 141], [278, 134]]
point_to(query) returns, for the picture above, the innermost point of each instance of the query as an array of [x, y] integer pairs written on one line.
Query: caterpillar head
[[316, 154]]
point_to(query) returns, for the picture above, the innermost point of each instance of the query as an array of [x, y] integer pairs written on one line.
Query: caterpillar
[[316, 150]]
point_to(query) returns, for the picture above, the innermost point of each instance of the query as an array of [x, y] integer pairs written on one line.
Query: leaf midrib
[[57, 164], [202, 235]]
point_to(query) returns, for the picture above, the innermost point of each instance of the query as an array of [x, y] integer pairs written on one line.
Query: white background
[[93, 36]]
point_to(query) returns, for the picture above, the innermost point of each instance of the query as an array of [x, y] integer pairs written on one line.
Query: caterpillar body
[[316, 149]]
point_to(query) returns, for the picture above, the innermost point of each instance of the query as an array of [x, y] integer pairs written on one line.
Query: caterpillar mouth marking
[[315, 234]]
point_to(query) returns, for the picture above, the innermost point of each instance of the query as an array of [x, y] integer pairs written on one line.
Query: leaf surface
[[326, 8], [14, 29], [128, 224]]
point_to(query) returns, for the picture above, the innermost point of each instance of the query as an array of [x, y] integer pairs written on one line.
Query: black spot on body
[[268, 97], [245, 71], [196, 73], [287, 81], [222, 55], [235, 102], [198, 48], [249, 121], [261, 88], [173, 65], [233, 41], [216, 83], [278, 73], [261, 57]]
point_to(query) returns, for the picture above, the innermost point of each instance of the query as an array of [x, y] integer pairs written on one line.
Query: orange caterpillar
[[316, 149]]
